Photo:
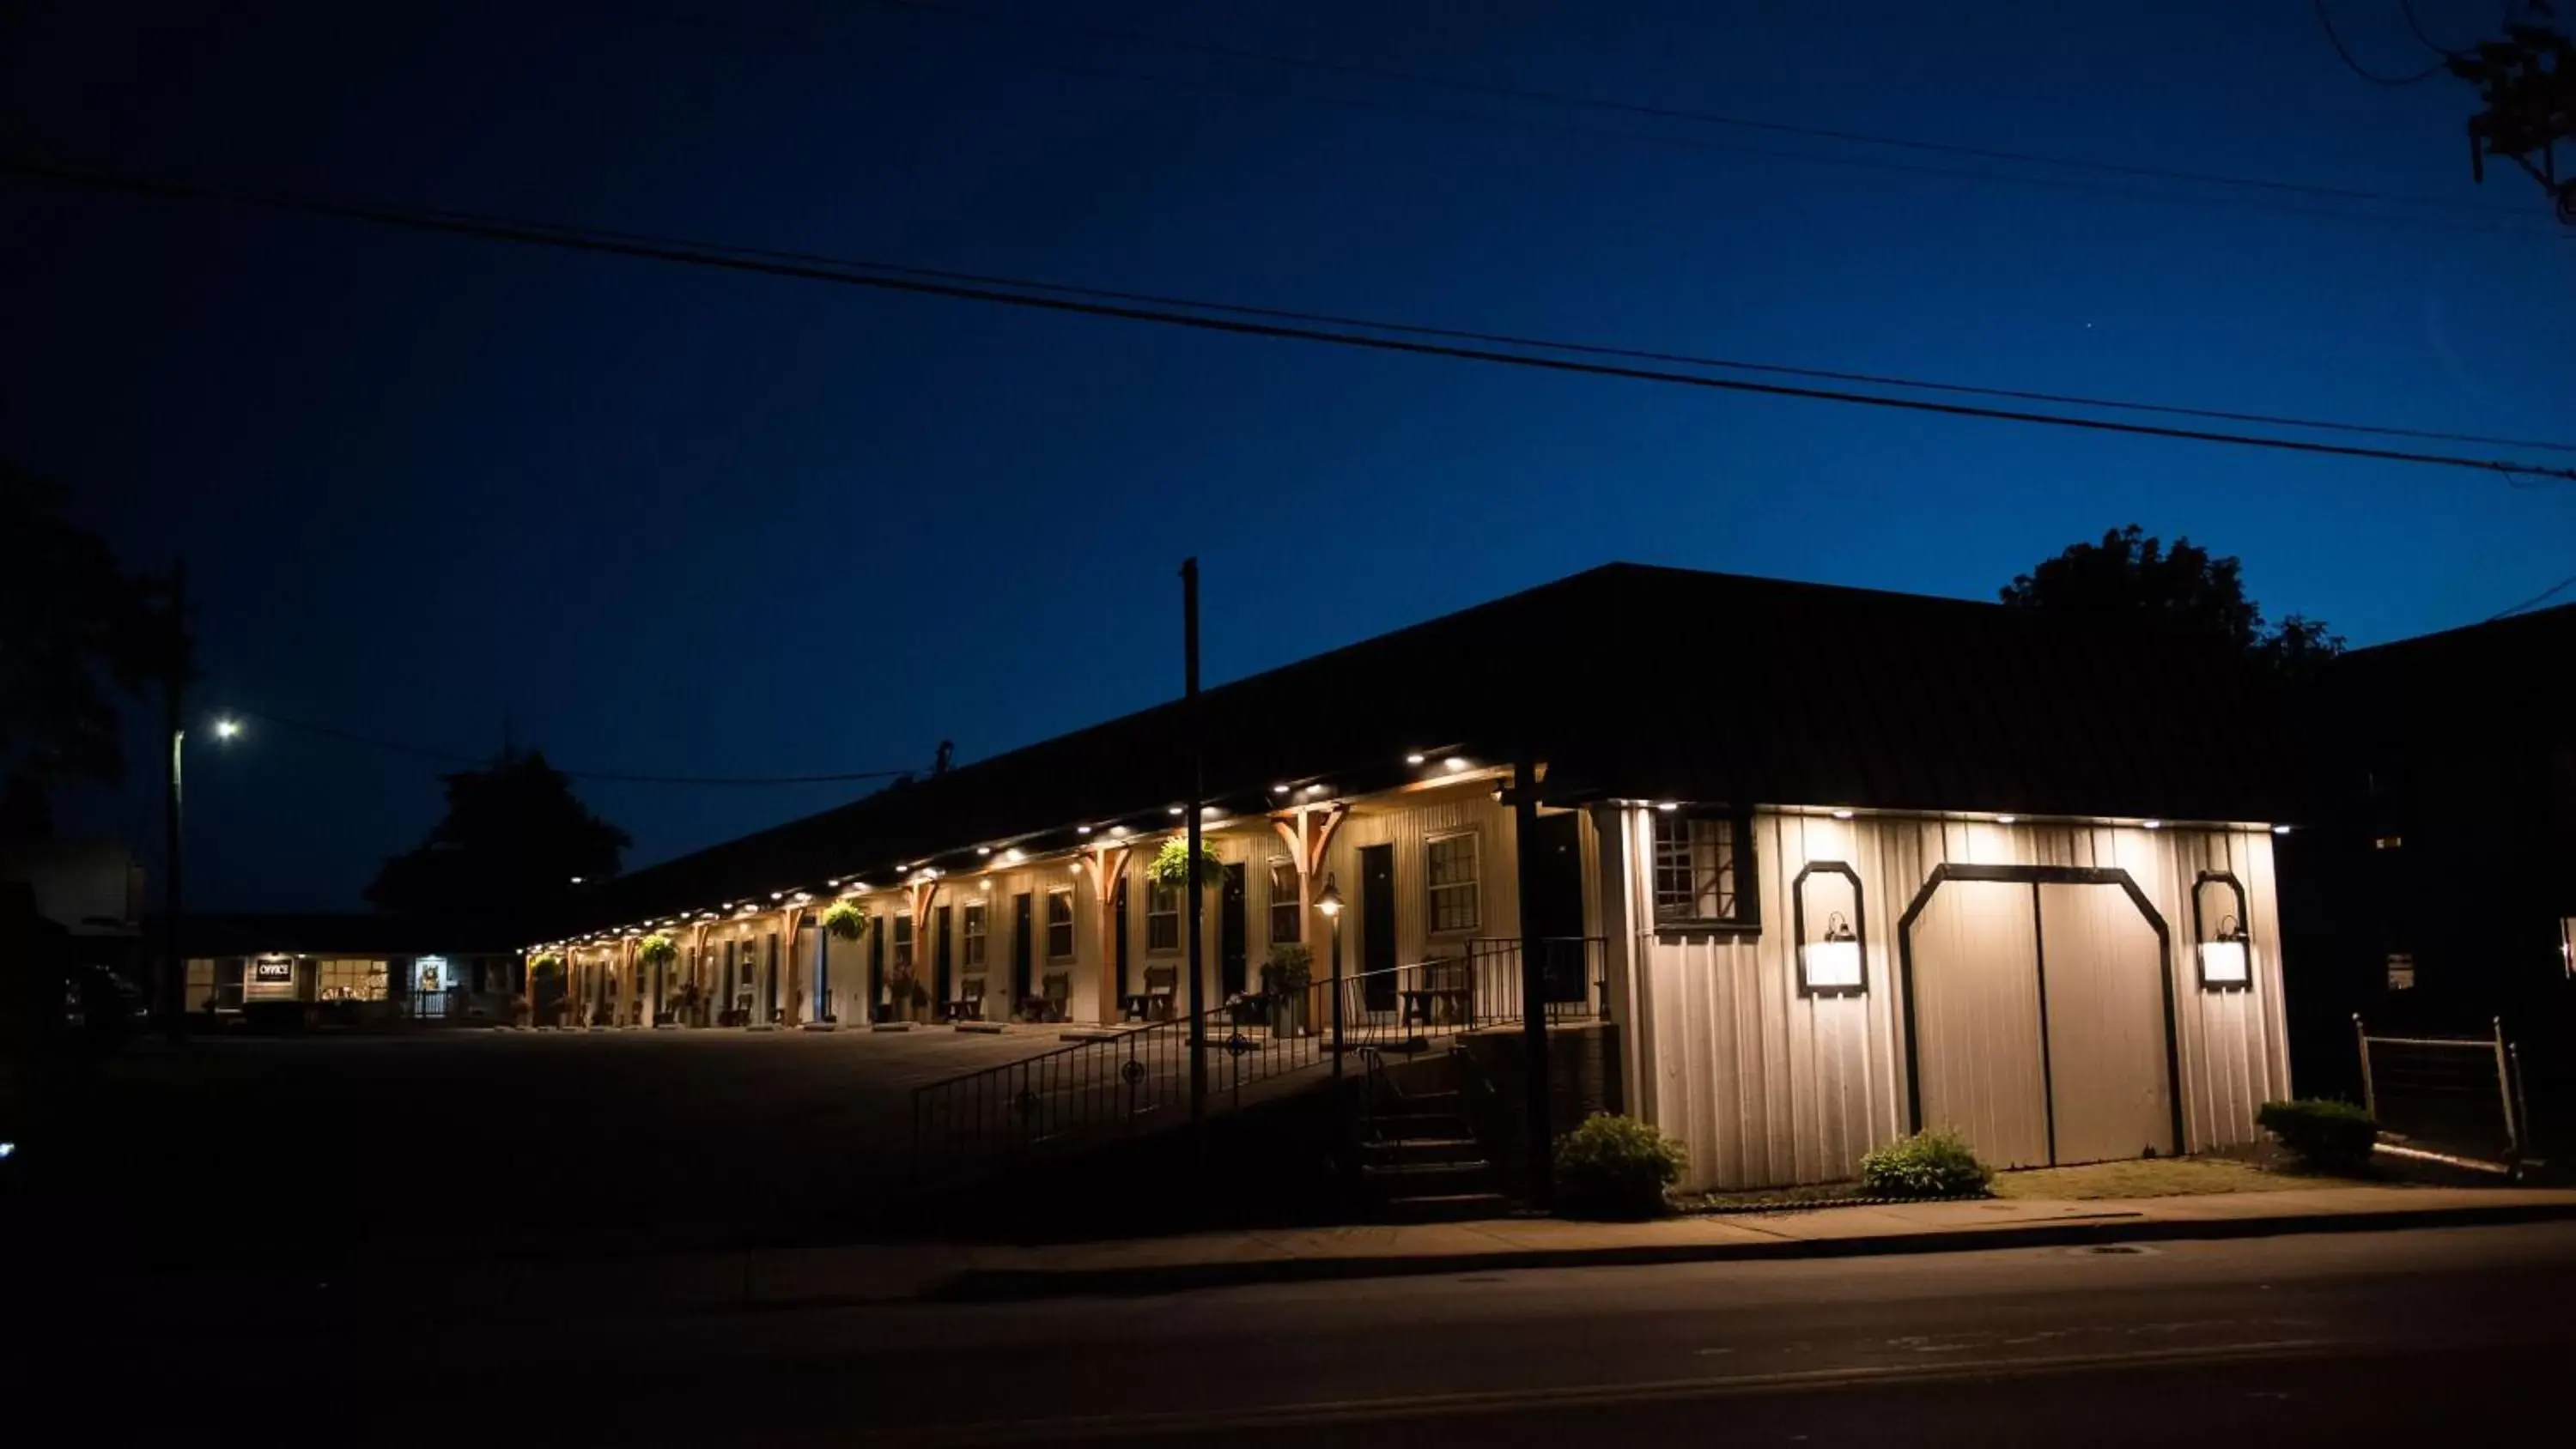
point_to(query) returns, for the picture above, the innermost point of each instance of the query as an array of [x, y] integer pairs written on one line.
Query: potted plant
[[1285, 977], [1171, 865]]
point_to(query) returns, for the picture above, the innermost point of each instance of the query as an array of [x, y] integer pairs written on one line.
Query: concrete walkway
[[555, 1291]]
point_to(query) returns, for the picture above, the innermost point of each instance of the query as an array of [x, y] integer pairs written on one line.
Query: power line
[[2325, 23], [684, 253], [458, 757], [1607, 105], [2544, 596], [2486, 220]]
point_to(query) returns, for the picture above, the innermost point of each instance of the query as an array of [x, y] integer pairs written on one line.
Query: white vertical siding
[[1766, 1087]]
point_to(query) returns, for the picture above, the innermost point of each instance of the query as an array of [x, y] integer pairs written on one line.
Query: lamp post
[[1330, 903]]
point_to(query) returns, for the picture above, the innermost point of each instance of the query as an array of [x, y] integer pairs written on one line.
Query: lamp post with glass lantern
[[1330, 903]]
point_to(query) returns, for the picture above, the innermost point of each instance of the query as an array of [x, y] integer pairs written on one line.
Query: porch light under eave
[[2229, 959]]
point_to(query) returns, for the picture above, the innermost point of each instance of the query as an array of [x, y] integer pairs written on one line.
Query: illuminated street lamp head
[[227, 728], [1330, 902]]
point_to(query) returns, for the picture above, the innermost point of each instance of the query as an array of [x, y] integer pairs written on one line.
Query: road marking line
[[1495, 1401]]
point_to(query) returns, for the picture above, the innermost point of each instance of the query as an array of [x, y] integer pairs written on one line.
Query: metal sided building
[[1823, 865]]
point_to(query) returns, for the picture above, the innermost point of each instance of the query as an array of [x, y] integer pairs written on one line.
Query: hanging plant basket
[[845, 921], [1171, 865], [657, 950]]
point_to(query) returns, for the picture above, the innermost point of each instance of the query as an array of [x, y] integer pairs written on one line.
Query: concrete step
[[890, 1026], [1447, 1206], [981, 1028], [1398, 1174]]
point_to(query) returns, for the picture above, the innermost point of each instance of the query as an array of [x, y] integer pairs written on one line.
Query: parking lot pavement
[[484, 1143]]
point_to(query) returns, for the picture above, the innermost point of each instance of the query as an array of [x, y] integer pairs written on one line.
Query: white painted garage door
[[2039, 1029]]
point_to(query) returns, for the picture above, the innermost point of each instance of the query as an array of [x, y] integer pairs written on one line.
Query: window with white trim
[[1162, 916], [1059, 925], [1697, 877], [973, 936], [1286, 921], [903, 942], [1449, 871], [337, 979]]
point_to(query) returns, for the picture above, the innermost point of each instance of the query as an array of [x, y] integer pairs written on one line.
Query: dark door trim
[[1234, 969], [2036, 876], [939, 964], [1378, 945], [1020, 966]]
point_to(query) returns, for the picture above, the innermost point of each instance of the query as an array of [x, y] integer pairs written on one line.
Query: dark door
[[939, 963], [1231, 932], [1020, 991], [1555, 905], [733, 954], [876, 966], [1377, 927], [769, 982], [1118, 933]]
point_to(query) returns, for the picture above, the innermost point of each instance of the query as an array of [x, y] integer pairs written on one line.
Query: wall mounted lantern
[[1837, 962], [2226, 954]]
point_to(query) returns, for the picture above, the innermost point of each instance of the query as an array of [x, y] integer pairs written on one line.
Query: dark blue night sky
[[673, 520]]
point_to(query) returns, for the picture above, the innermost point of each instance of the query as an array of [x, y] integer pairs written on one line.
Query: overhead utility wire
[[573, 239], [459, 757], [2325, 23], [2536, 600], [1577, 101]]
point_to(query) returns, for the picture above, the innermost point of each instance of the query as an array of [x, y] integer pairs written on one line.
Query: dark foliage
[[2325, 1135], [2133, 572], [514, 838]]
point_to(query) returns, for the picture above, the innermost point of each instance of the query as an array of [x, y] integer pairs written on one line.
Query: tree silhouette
[[514, 840], [76, 630], [2132, 572]]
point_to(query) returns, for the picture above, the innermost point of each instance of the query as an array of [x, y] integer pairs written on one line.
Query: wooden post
[[1198, 783], [1533, 978]]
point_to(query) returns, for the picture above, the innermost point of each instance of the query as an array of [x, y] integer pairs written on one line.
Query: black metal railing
[[1574, 977], [1136, 1079]]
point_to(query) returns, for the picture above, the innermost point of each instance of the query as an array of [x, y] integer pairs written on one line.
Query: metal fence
[[1135, 1079], [2458, 1100]]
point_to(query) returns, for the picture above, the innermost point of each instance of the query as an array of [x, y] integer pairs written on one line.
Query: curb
[[990, 1285]]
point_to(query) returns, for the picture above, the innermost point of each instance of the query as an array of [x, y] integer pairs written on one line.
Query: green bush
[[1927, 1164], [2324, 1135], [1615, 1167]]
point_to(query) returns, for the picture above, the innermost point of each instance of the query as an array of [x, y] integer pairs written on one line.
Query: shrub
[[2325, 1136], [1615, 1167], [1927, 1164], [1290, 969]]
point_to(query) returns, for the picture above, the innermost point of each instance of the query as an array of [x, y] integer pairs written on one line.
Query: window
[[1059, 924], [975, 936], [1450, 865], [1287, 923], [344, 980], [1162, 916], [2401, 970], [903, 943], [1697, 876]]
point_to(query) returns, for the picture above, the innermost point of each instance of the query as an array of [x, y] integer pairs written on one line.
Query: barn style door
[[2039, 1015]]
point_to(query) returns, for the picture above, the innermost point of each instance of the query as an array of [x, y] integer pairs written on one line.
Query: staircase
[[1419, 1157]]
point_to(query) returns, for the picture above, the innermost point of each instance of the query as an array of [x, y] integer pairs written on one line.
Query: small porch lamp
[[2227, 960], [1330, 903], [2226, 954], [1832, 964], [1835, 964]]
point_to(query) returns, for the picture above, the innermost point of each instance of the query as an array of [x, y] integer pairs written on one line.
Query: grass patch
[[1765, 1197], [2153, 1177]]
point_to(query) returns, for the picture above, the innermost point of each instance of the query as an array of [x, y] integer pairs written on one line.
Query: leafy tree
[[76, 631], [2132, 572], [514, 839]]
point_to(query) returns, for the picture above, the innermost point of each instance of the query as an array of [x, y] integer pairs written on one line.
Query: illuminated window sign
[[273, 970]]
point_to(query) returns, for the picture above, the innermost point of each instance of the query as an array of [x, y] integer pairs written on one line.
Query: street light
[[227, 728], [1330, 903]]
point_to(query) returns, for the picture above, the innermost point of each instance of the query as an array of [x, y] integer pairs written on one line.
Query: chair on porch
[[969, 1005], [1154, 1003], [1440, 994], [1055, 997]]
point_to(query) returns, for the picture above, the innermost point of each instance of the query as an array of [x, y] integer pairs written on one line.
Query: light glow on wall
[[2225, 963], [1831, 965]]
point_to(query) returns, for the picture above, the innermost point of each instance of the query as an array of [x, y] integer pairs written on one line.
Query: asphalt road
[[433, 1145], [2432, 1336]]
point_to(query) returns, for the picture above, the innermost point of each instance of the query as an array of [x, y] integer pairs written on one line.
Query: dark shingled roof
[[339, 933], [1630, 681]]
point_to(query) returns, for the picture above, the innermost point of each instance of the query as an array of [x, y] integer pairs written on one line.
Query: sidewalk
[[892, 1273]]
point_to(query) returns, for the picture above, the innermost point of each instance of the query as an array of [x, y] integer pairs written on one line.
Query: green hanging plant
[[1171, 865], [547, 963], [845, 921], [657, 950]]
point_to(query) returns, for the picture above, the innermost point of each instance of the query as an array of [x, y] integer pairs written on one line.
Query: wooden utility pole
[[1198, 786]]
